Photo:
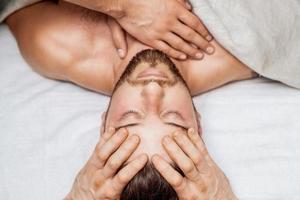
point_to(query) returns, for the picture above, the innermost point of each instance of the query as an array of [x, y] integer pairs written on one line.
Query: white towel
[[264, 34]]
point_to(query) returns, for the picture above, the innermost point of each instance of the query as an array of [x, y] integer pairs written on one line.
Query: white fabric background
[[49, 128], [264, 34]]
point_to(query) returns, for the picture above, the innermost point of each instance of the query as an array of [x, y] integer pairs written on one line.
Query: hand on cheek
[[202, 178]]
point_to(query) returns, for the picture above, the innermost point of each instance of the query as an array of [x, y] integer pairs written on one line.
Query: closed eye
[[178, 126], [126, 126]]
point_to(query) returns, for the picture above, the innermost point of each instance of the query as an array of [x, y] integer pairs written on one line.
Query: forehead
[[151, 139]]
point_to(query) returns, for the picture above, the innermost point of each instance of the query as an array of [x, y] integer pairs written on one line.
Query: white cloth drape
[[265, 35]]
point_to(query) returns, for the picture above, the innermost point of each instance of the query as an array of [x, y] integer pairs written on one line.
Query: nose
[[153, 94]]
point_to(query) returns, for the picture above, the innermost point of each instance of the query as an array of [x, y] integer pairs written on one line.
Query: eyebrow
[[174, 112], [125, 115]]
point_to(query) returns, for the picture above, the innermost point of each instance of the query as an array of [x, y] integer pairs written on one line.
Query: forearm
[[112, 8]]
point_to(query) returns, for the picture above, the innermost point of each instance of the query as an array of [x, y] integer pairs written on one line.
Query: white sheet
[[265, 35], [48, 129]]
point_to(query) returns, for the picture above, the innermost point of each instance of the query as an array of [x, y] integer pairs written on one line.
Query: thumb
[[118, 36]]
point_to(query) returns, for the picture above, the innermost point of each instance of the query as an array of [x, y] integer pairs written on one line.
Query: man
[[153, 103], [70, 43], [143, 100]]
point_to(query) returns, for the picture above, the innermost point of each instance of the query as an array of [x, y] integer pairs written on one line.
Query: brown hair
[[148, 184]]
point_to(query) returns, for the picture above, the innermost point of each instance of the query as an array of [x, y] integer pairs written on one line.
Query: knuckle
[[198, 161], [188, 167], [167, 50], [203, 44], [191, 51], [110, 193], [178, 43], [122, 178], [195, 23], [102, 156], [190, 34], [177, 182], [113, 164], [164, 169]]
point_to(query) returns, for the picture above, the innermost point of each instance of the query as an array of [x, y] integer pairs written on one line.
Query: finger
[[190, 150], [102, 153], [198, 142], [172, 176], [106, 135], [120, 156], [195, 23], [179, 44], [118, 36], [179, 157], [164, 47], [186, 4], [193, 37], [128, 172]]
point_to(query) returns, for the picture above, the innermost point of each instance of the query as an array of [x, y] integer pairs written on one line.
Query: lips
[[152, 72]]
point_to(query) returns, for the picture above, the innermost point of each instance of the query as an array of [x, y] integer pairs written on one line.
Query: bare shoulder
[[62, 42], [214, 70]]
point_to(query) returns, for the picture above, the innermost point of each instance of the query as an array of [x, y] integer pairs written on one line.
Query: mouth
[[152, 73]]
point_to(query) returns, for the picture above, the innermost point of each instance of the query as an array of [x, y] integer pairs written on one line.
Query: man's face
[[152, 101]]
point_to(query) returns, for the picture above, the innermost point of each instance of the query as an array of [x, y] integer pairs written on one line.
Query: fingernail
[[188, 5], [143, 157], [210, 49], [134, 138], [121, 53], [111, 129], [199, 55], [191, 131], [182, 56], [209, 38], [175, 134]]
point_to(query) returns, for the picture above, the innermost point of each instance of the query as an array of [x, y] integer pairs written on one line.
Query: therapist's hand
[[169, 25], [99, 178], [202, 177]]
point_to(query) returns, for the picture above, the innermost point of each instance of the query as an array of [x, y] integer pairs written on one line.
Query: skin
[[54, 55], [154, 118], [173, 32], [51, 53]]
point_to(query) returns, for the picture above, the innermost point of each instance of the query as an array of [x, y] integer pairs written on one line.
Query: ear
[[103, 117], [198, 116]]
